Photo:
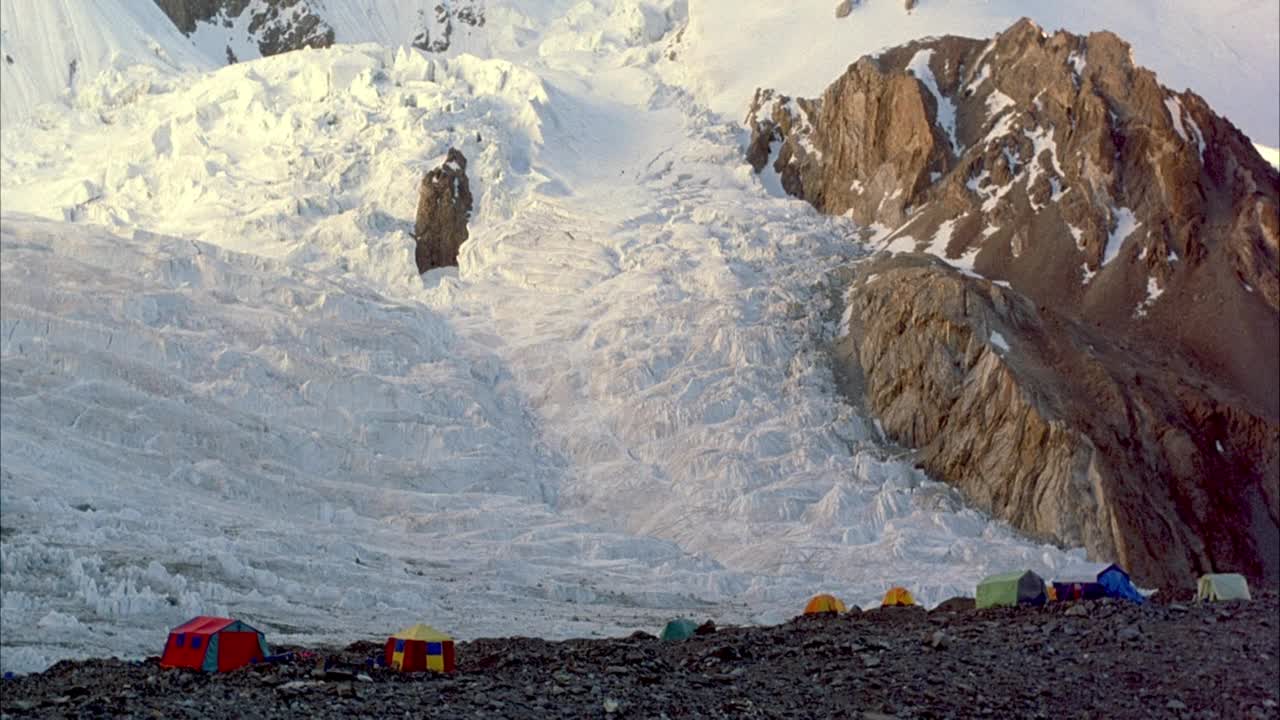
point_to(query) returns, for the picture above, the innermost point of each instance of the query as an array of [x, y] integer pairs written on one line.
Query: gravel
[[1112, 660]]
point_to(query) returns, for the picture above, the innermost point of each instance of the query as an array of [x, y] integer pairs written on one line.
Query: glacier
[[225, 389]]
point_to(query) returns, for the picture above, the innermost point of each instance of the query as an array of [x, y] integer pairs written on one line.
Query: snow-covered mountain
[[226, 388], [62, 50]]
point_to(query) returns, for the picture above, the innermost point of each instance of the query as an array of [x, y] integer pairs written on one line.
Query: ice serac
[[444, 206], [1113, 205]]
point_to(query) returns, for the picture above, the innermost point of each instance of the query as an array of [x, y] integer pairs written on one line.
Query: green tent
[[679, 629], [1223, 586], [1020, 587]]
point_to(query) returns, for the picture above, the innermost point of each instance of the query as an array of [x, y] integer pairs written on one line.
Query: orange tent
[[824, 603], [897, 596]]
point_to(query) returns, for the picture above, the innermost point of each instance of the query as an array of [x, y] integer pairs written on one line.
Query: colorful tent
[[1223, 586], [824, 603], [213, 644], [420, 647], [897, 596], [1090, 581], [1020, 587], [679, 629]]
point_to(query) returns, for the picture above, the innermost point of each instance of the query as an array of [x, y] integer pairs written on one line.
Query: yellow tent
[[425, 633], [419, 647], [824, 603], [897, 596]]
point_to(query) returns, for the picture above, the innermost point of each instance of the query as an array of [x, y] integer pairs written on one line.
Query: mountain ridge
[[1053, 165]]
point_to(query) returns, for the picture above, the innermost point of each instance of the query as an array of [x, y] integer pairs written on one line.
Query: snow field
[[618, 399]]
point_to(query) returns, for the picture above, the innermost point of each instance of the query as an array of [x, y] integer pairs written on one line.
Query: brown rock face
[[444, 206], [1054, 164], [1047, 423]]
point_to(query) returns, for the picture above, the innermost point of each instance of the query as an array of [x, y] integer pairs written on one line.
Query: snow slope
[[620, 398], [56, 49], [226, 389], [1229, 53]]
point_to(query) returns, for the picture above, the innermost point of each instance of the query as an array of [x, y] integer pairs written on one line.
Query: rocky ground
[[1083, 660]]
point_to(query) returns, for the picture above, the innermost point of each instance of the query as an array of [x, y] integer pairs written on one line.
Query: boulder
[[444, 207]]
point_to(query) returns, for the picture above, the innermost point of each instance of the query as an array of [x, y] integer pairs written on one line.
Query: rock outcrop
[[1112, 204], [278, 26], [1047, 423], [444, 207]]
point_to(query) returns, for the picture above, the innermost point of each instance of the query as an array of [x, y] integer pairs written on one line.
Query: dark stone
[[444, 207]]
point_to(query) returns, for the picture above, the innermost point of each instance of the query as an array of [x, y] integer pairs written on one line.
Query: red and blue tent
[[213, 644], [1090, 581]]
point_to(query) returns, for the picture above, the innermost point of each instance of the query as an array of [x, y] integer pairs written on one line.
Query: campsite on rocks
[[639, 358]]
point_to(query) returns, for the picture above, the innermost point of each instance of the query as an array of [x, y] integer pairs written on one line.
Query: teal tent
[[679, 629]]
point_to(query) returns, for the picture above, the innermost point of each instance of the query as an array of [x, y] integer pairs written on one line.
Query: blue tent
[[1118, 585], [1090, 581]]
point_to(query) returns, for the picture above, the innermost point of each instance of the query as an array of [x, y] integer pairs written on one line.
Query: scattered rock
[[1129, 633], [1077, 610], [844, 8]]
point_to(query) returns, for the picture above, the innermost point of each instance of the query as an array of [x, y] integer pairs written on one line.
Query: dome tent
[[1019, 587], [898, 597], [824, 603], [679, 629]]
